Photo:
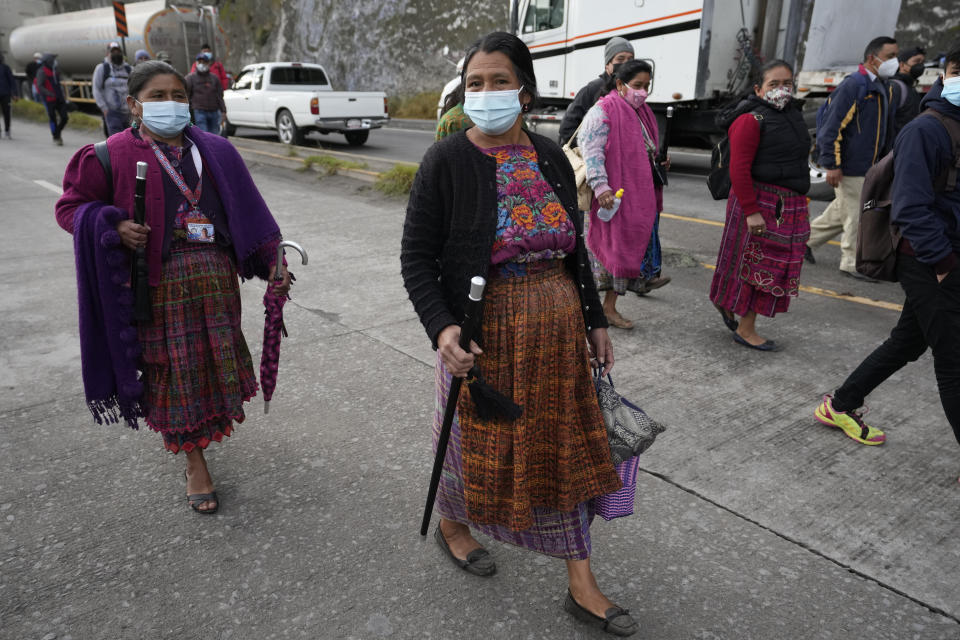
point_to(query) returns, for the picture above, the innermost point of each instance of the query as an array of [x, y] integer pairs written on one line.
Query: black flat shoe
[[616, 621], [479, 562], [766, 345], [808, 255], [728, 320]]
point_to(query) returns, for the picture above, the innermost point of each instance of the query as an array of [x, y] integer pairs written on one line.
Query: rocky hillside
[[364, 44]]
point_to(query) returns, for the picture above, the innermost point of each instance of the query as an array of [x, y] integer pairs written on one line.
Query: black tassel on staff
[[139, 282]]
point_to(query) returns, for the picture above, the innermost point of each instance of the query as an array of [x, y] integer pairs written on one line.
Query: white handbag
[[575, 158]]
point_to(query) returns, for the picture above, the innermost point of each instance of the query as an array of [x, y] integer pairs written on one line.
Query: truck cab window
[[297, 75], [543, 15], [243, 81], [258, 78]]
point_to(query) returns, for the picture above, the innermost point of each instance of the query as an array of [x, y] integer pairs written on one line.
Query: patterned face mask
[[779, 97]]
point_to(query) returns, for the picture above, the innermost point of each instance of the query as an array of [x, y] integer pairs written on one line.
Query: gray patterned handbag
[[629, 430]]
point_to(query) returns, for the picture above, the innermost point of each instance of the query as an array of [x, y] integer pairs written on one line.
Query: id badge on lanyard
[[198, 227]]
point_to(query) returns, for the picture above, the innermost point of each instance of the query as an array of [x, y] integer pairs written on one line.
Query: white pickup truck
[[295, 98]]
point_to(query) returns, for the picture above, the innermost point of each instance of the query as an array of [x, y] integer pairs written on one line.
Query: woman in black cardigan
[[500, 202]]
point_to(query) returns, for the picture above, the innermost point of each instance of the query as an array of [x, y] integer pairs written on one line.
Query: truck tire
[[228, 129], [356, 138], [287, 129]]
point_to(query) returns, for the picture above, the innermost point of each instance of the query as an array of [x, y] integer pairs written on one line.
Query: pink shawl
[[621, 243]]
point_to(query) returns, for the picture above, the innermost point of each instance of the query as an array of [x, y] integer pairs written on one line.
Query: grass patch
[[35, 112], [422, 106], [329, 164], [292, 151], [397, 181]]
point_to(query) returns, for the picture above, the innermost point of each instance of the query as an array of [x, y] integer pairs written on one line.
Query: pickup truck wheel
[[356, 138], [228, 129], [287, 129]]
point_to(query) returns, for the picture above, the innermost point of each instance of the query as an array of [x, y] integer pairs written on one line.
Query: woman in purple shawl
[[187, 370], [619, 140]]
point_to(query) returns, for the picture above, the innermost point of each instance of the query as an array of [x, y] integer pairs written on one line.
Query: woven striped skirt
[[761, 273], [529, 482], [197, 369]]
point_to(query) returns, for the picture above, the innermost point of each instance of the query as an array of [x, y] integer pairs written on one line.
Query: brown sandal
[[618, 321]]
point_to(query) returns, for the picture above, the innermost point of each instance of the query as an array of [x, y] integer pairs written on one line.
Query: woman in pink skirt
[[761, 253]]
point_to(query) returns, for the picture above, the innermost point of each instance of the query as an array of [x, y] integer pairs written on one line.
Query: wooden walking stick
[[468, 327]]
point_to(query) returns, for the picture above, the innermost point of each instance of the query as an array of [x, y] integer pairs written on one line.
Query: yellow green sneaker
[[850, 422]]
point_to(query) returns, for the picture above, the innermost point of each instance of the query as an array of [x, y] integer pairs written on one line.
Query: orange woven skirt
[[556, 454]]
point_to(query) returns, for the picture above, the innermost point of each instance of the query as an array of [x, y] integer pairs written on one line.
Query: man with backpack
[[926, 211], [854, 130], [110, 90]]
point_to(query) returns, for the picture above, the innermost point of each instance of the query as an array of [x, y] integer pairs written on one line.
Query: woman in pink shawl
[[619, 140]]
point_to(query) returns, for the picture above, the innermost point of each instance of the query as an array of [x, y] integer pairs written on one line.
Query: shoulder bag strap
[[103, 155], [953, 130]]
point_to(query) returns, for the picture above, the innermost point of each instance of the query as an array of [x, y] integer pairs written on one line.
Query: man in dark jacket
[[616, 52], [855, 132], [47, 84], [906, 98], [8, 92], [927, 212], [31, 72], [206, 96]]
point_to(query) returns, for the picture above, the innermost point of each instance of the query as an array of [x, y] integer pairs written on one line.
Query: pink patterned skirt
[[197, 368], [762, 273]]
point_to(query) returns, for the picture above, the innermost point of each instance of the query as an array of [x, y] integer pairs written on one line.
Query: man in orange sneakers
[[926, 209]]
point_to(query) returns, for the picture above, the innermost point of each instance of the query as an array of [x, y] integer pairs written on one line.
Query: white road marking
[[49, 185]]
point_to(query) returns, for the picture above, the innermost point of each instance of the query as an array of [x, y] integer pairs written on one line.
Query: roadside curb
[[296, 163], [411, 123]]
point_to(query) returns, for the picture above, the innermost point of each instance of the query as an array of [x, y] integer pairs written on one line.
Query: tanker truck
[[702, 51], [166, 30]]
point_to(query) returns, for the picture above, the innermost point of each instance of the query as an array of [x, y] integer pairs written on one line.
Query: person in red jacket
[[216, 68], [767, 226]]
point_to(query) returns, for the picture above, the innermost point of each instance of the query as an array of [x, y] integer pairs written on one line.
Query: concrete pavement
[[752, 521]]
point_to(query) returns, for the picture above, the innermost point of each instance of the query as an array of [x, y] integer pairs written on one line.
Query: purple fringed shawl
[[109, 346], [620, 244]]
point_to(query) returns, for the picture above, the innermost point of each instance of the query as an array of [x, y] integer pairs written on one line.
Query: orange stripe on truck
[[626, 26]]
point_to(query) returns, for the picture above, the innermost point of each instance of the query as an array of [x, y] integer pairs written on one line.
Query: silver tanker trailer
[[170, 30]]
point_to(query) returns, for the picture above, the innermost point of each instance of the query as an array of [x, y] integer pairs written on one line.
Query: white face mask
[[494, 112], [888, 68]]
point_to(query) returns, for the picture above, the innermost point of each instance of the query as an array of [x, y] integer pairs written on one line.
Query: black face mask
[[116, 58], [916, 70]]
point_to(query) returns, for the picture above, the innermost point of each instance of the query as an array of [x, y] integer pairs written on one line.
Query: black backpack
[[718, 180], [877, 238]]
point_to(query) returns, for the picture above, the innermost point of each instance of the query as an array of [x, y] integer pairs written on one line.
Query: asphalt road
[[752, 521]]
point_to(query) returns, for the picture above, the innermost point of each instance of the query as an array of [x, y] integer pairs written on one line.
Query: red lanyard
[[193, 197]]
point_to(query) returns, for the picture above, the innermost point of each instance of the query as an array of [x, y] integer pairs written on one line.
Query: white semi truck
[[171, 30], [702, 51]]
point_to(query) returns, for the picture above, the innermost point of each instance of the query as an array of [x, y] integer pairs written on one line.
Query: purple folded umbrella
[[273, 328]]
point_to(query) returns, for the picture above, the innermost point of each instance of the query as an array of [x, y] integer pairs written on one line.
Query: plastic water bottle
[[607, 214]]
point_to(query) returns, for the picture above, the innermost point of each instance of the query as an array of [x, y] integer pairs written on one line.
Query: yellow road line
[[827, 293], [712, 223]]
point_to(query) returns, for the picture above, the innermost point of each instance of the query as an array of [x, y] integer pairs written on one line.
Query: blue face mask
[[951, 90], [166, 119], [494, 112]]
